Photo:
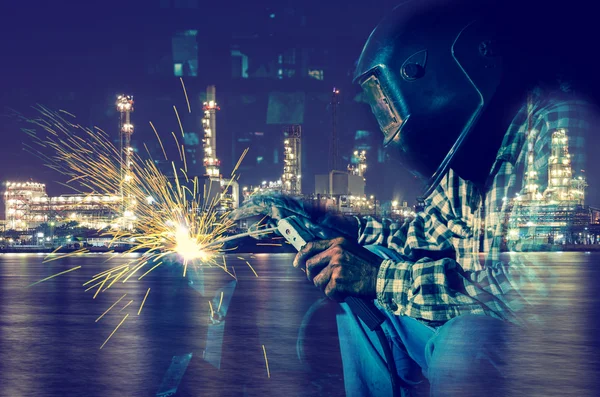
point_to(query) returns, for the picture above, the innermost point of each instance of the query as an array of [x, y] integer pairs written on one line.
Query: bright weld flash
[[188, 247]]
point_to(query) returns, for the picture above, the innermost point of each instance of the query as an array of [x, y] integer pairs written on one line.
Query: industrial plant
[[555, 216]]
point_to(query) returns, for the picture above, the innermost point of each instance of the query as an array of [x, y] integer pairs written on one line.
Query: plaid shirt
[[442, 274]]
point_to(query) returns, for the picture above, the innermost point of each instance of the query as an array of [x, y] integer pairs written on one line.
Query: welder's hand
[[340, 267]]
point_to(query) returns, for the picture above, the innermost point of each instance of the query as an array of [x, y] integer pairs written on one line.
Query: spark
[[184, 159], [178, 146], [220, 301], [99, 275], [159, 141], [212, 312], [107, 310], [269, 244], [101, 285], [64, 111], [128, 303], [93, 286], [251, 268], [179, 120], [144, 301], [116, 278], [55, 275], [61, 256], [153, 267], [180, 221], [266, 361], [186, 95], [115, 330]]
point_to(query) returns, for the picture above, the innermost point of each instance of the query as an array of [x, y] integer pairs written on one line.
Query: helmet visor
[[382, 107]]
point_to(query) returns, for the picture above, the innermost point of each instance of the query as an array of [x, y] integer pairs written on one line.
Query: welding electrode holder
[[297, 235]]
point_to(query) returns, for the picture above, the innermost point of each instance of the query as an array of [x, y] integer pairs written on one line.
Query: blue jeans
[[463, 357]]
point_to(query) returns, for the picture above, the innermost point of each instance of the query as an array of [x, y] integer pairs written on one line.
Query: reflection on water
[[49, 340]]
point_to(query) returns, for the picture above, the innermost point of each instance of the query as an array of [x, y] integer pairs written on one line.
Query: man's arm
[[430, 290], [439, 290]]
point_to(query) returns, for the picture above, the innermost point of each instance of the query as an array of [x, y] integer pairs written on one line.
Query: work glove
[[274, 206]]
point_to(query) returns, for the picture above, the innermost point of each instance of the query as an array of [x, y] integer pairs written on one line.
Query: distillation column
[[209, 124], [531, 185], [125, 107], [559, 166], [292, 160]]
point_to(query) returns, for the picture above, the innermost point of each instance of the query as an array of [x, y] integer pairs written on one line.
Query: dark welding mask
[[428, 71]]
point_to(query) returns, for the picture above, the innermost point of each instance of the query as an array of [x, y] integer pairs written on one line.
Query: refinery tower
[[125, 107], [216, 188]]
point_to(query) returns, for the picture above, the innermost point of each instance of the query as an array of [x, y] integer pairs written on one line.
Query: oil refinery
[[558, 215], [540, 218]]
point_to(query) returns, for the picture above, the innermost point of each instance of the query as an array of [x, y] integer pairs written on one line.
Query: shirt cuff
[[384, 286]]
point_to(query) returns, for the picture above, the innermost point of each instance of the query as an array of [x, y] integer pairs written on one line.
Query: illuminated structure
[[271, 186], [27, 206], [551, 216], [18, 198], [230, 194], [402, 210], [209, 124], [359, 163], [292, 161], [559, 168], [226, 191], [125, 107]]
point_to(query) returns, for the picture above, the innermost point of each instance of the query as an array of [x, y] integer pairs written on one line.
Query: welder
[[456, 107]]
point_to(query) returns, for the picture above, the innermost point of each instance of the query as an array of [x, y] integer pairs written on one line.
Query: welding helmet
[[428, 71]]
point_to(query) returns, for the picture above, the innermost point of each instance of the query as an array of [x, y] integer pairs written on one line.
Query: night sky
[[78, 55]]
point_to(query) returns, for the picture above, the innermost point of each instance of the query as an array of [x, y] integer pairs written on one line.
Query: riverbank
[[275, 246], [242, 246], [63, 250]]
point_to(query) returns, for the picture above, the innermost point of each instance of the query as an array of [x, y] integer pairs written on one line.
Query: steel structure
[[531, 186], [27, 206], [559, 167], [18, 198], [548, 217], [360, 163], [125, 107], [209, 124], [292, 160]]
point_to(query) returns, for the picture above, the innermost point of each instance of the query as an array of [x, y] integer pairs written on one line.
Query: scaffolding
[[292, 161]]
